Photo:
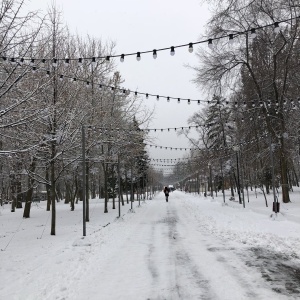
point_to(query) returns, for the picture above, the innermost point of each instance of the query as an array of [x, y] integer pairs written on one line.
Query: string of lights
[[93, 60], [100, 85]]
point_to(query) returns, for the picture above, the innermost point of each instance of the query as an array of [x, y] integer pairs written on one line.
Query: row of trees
[[256, 95], [44, 111]]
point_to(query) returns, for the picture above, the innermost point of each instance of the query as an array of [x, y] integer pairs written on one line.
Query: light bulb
[[94, 61], [172, 52], [253, 33], [122, 58], [210, 44], [154, 54], [54, 62], [138, 56], [67, 61], [61, 77], [276, 27], [231, 40], [191, 49]]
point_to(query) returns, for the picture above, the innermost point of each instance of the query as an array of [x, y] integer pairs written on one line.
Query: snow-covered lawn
[[189, 248]]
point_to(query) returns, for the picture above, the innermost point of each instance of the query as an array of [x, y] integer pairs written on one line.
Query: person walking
[[166, 191]]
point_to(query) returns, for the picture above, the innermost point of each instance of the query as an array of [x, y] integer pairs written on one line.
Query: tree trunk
[[284, 178], [48, 189], [28, 199], [87, 194], [105, 190]]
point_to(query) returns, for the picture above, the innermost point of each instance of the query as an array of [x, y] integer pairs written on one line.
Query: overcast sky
[[140, 25]]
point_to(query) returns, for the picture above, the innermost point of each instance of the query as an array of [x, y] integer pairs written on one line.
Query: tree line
[[251, 132], [44, 109]]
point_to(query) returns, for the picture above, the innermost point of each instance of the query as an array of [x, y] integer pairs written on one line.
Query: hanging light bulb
[[13, 61], [210, 43], [147, 96], [43, 62], [87, 84], [48, 73], [191, 49], [107, 58], [178, 101], [157, 97], [172, 52], [94, 61], [66, 62], [198, 102], [276, 27], [80, 61], [54, 62], [253, 33], [61, 77], [32, 62], [33, 69], [100, 86], [138, 56], [231, 40], [189, 101], [168, 99], [21, 61], [154, 54], [122, 58], [74, 80], [135, 93]]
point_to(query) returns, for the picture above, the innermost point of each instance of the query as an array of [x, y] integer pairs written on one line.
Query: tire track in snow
[[183, 279]]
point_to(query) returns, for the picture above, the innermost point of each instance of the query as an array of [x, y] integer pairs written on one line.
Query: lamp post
[[211, 185], [83, 181], [275, 202], [223, 191], [236, 148]]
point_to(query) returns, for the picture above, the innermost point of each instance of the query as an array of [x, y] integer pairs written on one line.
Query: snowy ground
[[189, 248]]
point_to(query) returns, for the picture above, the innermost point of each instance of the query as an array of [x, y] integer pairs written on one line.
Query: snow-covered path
[[174, 250]]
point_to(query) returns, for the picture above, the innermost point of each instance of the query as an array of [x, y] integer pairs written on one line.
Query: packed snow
[[192, 247]]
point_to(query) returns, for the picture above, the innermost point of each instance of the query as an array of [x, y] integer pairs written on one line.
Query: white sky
[[139, 25]]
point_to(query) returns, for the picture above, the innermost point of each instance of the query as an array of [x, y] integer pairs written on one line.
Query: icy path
[[188, 248], [160, 252]]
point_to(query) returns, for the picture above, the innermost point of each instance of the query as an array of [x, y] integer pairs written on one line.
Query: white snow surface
[[192, 247]]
